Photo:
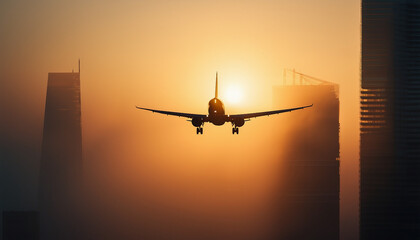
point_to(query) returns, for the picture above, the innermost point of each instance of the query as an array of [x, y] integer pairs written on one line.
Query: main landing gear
[[200, 130], [235, 130]]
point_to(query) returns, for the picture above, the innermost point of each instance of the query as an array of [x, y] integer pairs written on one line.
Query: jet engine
[[197, 122], [239, 122]]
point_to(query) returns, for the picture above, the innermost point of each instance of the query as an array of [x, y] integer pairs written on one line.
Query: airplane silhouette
[[218, 117]]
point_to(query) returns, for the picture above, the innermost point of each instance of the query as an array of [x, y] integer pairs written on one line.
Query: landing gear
[[199, 130], [235, 130]]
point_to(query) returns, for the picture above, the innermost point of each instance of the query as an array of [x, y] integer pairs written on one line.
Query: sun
[[234, 94]]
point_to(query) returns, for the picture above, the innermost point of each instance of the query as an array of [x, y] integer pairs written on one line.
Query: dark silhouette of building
[[308, 197], [390, 120], [20, 225], [61, 163]]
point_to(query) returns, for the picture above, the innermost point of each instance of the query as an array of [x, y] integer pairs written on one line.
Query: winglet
[[216, 93]]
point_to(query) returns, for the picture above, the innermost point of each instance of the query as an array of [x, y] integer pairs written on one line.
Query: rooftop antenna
[[79, 65]]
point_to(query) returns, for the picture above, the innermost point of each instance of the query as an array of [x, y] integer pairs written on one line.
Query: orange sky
[[164, 54]]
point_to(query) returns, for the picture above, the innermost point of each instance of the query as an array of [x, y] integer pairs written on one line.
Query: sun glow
[[234, 94]]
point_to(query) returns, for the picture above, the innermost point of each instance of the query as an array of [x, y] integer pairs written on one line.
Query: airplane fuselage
[[216, 112]]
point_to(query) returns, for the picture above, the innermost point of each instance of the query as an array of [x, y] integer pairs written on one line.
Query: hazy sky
[[164, 54]]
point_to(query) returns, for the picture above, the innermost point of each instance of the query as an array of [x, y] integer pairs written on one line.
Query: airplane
[[217, 114]]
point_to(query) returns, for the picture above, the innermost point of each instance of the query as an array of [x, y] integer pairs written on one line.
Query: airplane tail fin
[[216, 93]]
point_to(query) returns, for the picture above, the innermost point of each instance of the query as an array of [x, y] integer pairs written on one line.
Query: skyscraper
[[20, 225], [390, 120], [61, 163], [309, 184]]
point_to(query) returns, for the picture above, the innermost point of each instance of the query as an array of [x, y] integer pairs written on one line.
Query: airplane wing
[[259, 114], [179, 114]]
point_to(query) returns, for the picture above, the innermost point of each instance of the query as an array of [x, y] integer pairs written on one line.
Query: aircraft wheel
[[198, 130], [235, 130], [201, 131]]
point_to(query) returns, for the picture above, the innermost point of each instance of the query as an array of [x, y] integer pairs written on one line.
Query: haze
[[164, 55]]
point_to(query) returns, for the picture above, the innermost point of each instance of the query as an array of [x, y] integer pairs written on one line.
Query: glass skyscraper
[[390, 120], [61, 163], [306, 205]]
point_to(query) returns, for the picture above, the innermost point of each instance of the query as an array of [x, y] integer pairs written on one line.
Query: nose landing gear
[[199, 130]]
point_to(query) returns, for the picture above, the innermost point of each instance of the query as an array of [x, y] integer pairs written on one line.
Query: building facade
[[20, 225], [390, 120], [309, 184], [61, 161]]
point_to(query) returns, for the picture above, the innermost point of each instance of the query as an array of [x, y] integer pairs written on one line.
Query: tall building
[[309, 183], [20, 225], [61, 161], [390, 120]]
